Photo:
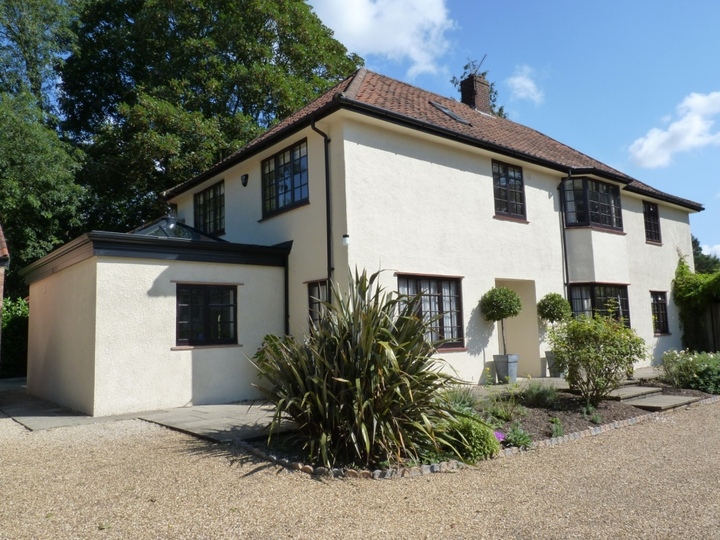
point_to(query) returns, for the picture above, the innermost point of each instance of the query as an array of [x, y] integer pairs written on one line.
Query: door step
[[661, 402]]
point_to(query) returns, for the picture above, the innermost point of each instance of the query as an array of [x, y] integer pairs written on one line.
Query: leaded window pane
[[508, 189], [285, 179]]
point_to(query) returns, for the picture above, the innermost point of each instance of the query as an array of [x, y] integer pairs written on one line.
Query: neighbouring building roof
[[4, 252], [394, 101]]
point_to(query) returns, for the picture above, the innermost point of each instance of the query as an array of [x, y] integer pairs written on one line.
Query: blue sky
[[635, 84]]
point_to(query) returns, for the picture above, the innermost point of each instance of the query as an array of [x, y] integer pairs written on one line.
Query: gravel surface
[[131, 479]]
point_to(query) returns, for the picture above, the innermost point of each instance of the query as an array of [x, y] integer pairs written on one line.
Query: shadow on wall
[[477, 339]]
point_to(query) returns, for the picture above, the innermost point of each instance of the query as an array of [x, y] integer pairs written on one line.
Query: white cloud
[[398, 30], [692, 129], [522, 85], [711, 250]]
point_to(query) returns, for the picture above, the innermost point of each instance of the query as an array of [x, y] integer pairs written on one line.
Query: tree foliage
[[704, 263], [38, 197], [35, 35], [158, 91]]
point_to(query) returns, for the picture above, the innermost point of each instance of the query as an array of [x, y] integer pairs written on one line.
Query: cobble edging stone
[[324, 472]]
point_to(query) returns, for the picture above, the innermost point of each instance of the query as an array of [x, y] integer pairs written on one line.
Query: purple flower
[[499, 436]]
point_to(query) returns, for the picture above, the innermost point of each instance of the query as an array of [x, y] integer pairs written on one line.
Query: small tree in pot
[[553, 308], [498, 304]]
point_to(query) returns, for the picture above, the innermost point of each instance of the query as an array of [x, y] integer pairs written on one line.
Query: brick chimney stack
[[475, 92]]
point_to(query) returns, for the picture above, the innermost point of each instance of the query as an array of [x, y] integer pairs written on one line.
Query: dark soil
[[569, 410]]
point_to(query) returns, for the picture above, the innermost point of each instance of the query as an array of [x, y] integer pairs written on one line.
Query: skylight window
[[451, 114]]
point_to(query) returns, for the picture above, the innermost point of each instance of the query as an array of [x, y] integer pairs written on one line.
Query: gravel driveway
[[131, 479]]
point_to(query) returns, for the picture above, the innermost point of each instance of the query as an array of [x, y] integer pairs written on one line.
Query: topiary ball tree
[[498, 304], [553, 307]]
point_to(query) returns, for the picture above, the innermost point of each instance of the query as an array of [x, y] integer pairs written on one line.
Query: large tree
[[35, 35], [158, 90], [38, 196], [704, 263]]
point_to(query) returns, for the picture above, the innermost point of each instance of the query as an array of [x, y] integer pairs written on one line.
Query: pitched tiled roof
[[392, 100]]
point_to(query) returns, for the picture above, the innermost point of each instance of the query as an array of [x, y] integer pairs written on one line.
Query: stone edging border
[[446, 466]]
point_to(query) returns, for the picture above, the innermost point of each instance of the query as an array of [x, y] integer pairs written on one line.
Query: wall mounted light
[[244, 179], [346, 240]]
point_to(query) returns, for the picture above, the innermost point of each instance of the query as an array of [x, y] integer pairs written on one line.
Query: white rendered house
[[375, 174]]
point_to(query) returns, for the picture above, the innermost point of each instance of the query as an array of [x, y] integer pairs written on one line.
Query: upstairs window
[[509, 190], [652, 222], [592, 203], [210, 209], [608, 300], [659, 312], [206, 314], [285, 179], [440, 301]]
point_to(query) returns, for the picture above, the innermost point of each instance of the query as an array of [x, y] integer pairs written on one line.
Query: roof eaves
[[666, 197]]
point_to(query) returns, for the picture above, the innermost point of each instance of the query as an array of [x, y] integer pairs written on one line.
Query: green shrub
[[557, 429], [596, 353], [553, 308], [498, 304], [517, 436], [362, 387], [461, 398], [13, 349], [473, 439], [537, 394], [699, 371]]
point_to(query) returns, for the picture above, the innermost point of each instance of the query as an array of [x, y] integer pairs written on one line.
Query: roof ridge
[[356, 81]]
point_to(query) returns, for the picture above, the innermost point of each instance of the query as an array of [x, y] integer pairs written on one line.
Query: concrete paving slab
[[632, 392], [662, 402], [222, 423]]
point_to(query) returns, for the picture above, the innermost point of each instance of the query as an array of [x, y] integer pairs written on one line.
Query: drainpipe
[[563, 227], [328, 210]]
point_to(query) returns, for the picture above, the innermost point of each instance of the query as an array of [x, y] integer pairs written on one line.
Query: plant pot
[[552, 368], [506, 368]]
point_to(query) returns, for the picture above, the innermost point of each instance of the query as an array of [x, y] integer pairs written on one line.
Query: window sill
[[595, 228], [443, 350], [283, 210], [193, 347], [502, 217], [653, 243], [663, 334]]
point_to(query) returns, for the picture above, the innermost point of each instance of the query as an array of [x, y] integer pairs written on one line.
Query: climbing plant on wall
[[694, 295]]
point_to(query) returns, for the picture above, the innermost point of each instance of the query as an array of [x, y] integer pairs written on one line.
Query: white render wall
[[102, 335], [61, 337], [138, 366], [414, 203]]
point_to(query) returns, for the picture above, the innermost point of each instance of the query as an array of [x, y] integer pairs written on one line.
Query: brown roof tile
[[397, 101]]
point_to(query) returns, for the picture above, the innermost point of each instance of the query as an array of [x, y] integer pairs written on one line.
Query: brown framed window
[[285, 179], [590, 202], [588, 299], [509, 190], [659, 312], [206, 314], [317, 294], [652, 222], [210, 209], [442, 301]]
